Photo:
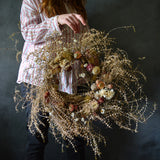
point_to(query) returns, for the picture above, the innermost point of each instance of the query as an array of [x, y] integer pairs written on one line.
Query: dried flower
[[60, 42], [67, 55], [75, 107], [46, 94], [109, 86], [93, 87], [89, 67], [75, 41], [109, 94], [51, 113], [71, 107], [102, 111], [85, 65], [82, 75], [56, 70], [76, 119], [92, 56], [77, 55], [82, 119], [102, 92], [101, 100], [97, 95], [63, 63], [94, 105], [57, 58], [72, 115], [107, 78], [96, 70], [87, 97], [64, 48], [100, 84]]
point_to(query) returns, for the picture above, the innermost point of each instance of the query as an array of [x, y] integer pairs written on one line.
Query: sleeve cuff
[[55, 25]]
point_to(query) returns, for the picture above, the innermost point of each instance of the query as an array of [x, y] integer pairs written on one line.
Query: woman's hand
[[73, 20]]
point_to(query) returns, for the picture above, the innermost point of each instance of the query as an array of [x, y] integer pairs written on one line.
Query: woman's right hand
[[73, 20]]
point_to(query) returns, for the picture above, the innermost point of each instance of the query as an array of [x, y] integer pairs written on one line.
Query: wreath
[[110, 88]]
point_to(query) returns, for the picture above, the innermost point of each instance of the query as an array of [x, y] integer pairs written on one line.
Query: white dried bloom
[[76, 119], [85, 122], [85, 65], [82, 75], [72, 115], [75, 55], [64, 48], [97, 95], [93, 87], [109, 94], [51, 113], [102, 92], [75, 41], [60, 42], [102, 111], [82, 119]]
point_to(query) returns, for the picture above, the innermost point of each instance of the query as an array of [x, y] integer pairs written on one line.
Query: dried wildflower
[[64, 48], [82, 119], [82, 75], [77, 55], [72, 115], [63, 63], [107, 78], [97, 95], [101, 100], [95, 105], [85, 65], [102, 92], [75, 41], [109, 94], [56, 69], [60, 42], [109, 86], [90, 107], [87, 98], [71, 107], [102, 111], [57, 58], [67, 55], [89, 67], [100, 84], [76, 119], [93, 87], [46, 96], [96, 70]]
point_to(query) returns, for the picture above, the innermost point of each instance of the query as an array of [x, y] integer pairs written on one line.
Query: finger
[[76, 22], [78, 16], [71, 25], [71, 21]]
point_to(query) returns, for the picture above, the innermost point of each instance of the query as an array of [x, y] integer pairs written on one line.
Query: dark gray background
[[103, 15]]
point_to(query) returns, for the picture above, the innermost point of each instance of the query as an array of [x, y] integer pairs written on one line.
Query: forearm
[[32, 28]]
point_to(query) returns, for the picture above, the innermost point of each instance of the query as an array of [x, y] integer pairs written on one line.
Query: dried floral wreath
[[112, 92]]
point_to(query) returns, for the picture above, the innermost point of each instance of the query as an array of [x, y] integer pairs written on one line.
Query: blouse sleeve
[[32, 28]]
